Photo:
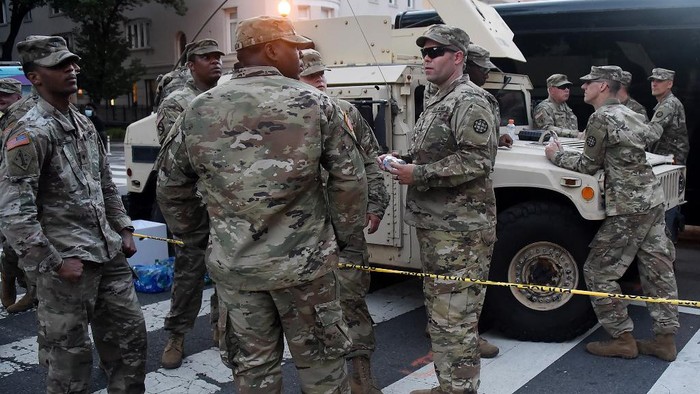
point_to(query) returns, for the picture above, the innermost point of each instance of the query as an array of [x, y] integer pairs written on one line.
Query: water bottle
[[511, 128]]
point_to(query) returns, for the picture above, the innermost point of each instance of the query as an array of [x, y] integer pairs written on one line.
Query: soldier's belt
[[523, 286]]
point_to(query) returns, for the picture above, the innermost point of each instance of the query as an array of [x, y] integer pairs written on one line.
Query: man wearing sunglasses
[[451, 203], [553, 114], [634, 224]]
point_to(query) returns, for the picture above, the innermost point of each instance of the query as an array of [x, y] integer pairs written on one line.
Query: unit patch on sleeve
[[481, 126], [591, 141], [659, 114]]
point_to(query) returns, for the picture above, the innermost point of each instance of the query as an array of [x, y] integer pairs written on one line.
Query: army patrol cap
[[558, 80], [446, 35], [262, 29], [45, 51], [626, 78], [662, 74], [202, 47], [480, 56], [10, 86], [312, 62], [610, 73]]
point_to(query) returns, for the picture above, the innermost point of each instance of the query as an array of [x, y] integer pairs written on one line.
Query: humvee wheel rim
[[547, 264]]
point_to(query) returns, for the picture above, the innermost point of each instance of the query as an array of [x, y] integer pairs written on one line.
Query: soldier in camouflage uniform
[[634, 224], [354, 284], [204, 62], [553, 114], [255, 145], [670, 131], [624, 96], [10, 93], [451, 203], [63, 215]]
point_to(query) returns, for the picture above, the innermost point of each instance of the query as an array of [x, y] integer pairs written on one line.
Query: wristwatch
[[129, 228]]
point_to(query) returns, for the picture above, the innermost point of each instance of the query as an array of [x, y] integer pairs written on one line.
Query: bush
[[116, 133]]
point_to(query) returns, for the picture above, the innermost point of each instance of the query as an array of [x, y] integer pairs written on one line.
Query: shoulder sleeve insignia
[[481, 126], [591, 141], [659, 114], [18, 140]]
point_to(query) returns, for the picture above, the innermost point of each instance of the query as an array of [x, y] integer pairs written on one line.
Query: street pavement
[[402, 361]]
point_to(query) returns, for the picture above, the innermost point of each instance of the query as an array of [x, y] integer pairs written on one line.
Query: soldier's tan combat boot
[[25, 303], [9, 290], [623, 346], [487, 349], [361, 381], [662, 346], [173, 353]]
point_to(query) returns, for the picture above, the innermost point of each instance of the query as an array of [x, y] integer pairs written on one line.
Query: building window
[[411, 4], [70, 41], [4, 16], [231, 23], [55, 11], [328, 12], [304, 12], [138, 32]]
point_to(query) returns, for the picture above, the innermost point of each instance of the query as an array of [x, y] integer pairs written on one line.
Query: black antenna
[[183, 55]]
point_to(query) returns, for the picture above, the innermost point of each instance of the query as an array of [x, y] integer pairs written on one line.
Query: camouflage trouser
[[613, 249], [354, 285], [454, 307], [104, 298], [309, 316], [188, 284]]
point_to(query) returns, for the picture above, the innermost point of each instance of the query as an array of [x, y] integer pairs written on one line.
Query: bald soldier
[[205, 67], [625, 98], [354, 284], [451, 203], [553, 114], [634, 222], [255, 146]]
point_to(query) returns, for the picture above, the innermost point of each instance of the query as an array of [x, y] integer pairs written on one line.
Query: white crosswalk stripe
[[119, 177]]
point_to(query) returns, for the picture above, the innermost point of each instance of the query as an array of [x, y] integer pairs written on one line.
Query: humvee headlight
[[587, 193]]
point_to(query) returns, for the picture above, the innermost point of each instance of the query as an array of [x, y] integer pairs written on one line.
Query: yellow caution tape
[[539, 288], [172, 241], [523, 286]]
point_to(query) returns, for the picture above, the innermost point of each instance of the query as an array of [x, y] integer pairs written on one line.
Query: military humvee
[[546, 215]]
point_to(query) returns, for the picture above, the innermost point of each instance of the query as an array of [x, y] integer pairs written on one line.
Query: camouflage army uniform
[[354, 284], [559, 118], [636, 107], [59, 201], [634, 224], [272, 248], [188, 283], [670, 116], [171, 82], [453, 207]]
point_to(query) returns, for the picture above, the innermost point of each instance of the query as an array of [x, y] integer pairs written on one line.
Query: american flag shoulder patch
[[18, 140]]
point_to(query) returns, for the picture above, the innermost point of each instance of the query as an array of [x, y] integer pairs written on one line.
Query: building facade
[[158, 35]]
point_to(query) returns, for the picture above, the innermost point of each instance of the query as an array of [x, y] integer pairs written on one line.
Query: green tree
[[18, 11], [102, 44]]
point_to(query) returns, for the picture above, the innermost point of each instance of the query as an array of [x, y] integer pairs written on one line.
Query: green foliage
[[116, 133], [101, 43]]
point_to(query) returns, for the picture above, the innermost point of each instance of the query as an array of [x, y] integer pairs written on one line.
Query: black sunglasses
[[564, 87], [434, 52]]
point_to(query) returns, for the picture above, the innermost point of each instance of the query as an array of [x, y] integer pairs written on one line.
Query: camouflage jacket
[[636, 107], [171, 82], [172, 106], [559, 118], [57, 197], [669, 116], [453, 147], [615, 141], [256, 145]]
